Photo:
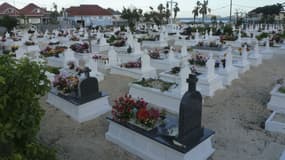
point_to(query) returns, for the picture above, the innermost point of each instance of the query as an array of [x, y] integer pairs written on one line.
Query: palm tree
[[160, 8], [176, 10], [204, 9], [195, 11]]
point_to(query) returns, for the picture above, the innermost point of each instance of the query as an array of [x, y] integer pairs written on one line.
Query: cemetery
[[151, 88]]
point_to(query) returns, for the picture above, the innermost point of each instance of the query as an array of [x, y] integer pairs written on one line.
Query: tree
[[132, 15], [54, 14], [176, 10], [160, 8], [8, 22], [214, 20], [196, 10], [268, 12], [22, 83], [204, 9]]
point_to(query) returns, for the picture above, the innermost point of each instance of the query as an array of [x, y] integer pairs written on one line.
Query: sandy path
[[235, 113]]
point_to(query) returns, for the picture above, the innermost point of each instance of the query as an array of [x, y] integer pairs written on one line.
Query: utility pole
[[231, 6]]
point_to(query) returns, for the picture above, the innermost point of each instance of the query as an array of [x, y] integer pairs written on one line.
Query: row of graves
[[160, 117]]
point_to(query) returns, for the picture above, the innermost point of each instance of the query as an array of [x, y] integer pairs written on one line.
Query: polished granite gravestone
[[192, 142], [85, 104]]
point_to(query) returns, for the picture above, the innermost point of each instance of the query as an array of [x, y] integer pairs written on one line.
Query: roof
[[4, 9], [88, 10], [33, 10]]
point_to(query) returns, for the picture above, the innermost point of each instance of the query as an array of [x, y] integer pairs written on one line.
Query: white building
[[88, 15]]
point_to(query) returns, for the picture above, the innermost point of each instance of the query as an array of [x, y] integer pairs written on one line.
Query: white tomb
[[229, 73], [145, 71], [255, 58], [93, 65], [243, 65], [210, 82]]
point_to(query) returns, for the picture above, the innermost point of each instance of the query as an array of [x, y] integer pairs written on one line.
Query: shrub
[[22, 83]]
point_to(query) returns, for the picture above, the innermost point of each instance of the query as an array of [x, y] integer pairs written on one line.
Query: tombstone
[[197, 35], [210, 67], [211, 33], [190, 114], [88, 89], [103, 41], [69, 56], [137, 47], [244, 55], [7, 35], [256, 50], [229, 60], [161, 36], [184, 51], [206, 35], [113, 57], [171, 56], [267, 46], [239, 34], [183, 74], [145, 60]]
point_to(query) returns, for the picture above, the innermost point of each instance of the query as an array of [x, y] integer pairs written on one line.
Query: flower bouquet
[[119, 43], [48, 51], [154, 54], [175, 70], [54, 42], [65, 85], [199, 60], [80, 48], [155, 83], [136, 64], [100, 57], [74, 38], [29, 43], [136, 112], [14, 48]]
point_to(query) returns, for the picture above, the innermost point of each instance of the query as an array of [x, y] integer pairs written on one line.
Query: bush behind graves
[[22, 83]]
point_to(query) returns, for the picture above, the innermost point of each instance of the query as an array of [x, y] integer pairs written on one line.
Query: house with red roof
[[88, 15], [8, 9], [34, 14]]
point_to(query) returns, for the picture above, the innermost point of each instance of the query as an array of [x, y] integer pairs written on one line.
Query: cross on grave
[[190, 114]]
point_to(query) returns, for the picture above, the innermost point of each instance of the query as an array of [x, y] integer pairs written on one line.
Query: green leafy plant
[[22, 83], [155, 83], [262, 35]]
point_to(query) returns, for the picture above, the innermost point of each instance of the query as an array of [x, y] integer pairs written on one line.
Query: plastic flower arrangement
[[65, 84], [48, 51], [136, 64], [80, 48], [29, 43], [199, 60], [127, 109]]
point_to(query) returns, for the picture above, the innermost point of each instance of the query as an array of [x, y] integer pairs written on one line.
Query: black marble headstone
[[190, 115], [88, 89]]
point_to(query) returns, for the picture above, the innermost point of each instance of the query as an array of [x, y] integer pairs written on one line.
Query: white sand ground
[[236, 114]]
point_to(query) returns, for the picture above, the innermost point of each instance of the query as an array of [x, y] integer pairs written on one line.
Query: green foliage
[[155, 83], [54, 70], [268, 12], [262, 35], [228, 30], [282, 89], [132, 15], [8, 22], [22, 83]]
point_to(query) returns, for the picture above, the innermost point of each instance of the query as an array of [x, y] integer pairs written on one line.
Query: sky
[[218, 7]]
